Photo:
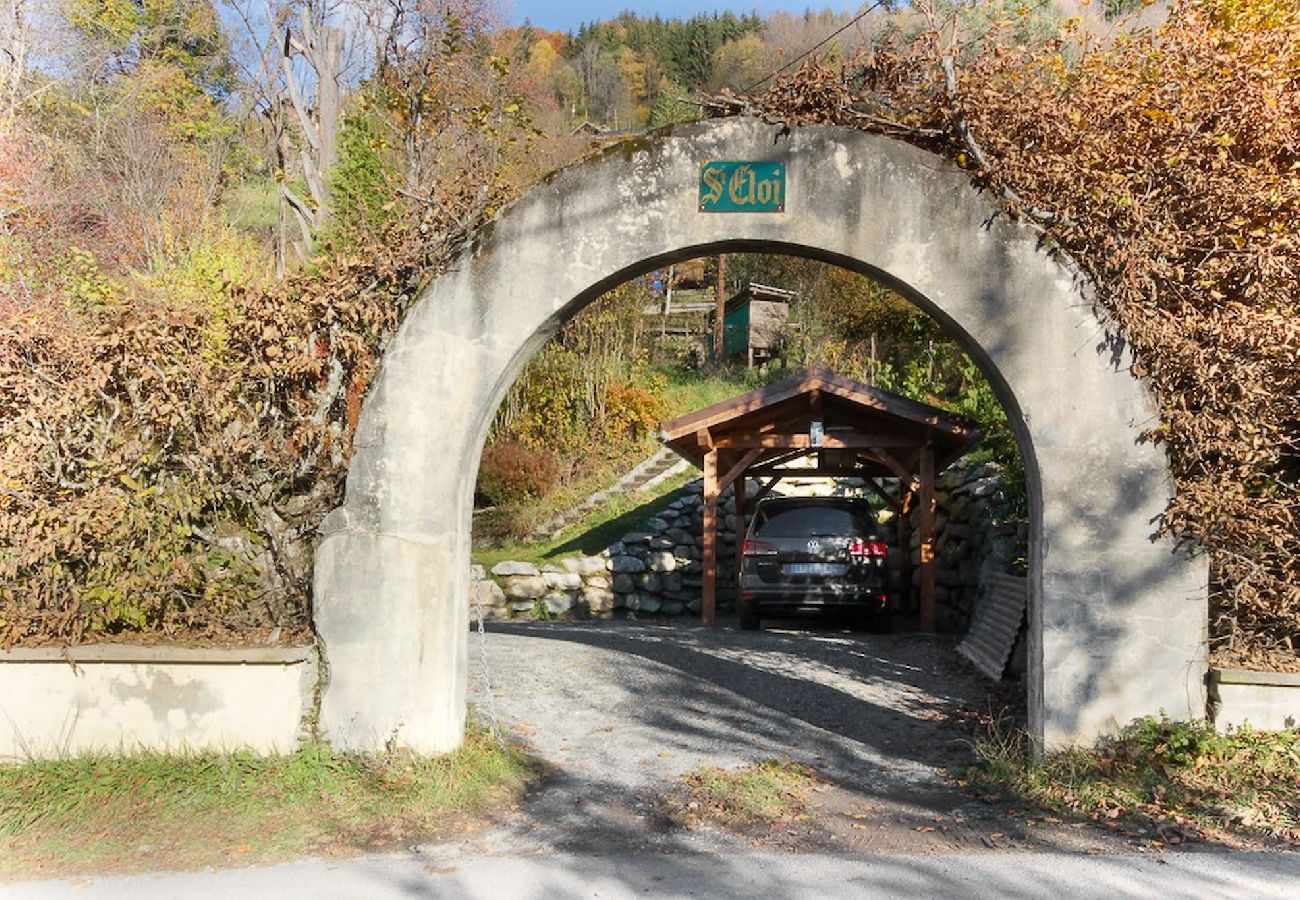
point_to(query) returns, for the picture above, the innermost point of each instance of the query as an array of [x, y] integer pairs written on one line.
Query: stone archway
[[1117, 620]]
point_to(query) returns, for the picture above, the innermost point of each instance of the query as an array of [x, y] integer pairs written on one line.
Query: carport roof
[[869, 431]]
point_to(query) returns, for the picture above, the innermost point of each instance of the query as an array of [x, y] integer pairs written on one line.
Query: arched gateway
[[1117, 620]]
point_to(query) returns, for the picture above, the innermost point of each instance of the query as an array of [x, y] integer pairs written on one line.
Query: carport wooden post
[[710, 529], [927, 538], [905, 498], [740, 525]]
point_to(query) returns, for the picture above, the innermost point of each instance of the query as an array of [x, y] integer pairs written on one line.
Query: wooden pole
[[907, 502], [719, 323], [709, 610], [927, 539], [740, 522]]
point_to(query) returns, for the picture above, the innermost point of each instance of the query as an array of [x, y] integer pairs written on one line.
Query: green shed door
[[735, 333]]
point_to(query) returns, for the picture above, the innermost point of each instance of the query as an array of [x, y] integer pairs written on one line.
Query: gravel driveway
[[632, 703], [620, 709]]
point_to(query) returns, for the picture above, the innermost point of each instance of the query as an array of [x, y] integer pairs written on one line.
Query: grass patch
[[601, 527], [753, 799], [1167, 781], [97, 814], [253, 205]]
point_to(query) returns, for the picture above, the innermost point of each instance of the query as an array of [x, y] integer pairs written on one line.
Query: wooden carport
[[854, 430]]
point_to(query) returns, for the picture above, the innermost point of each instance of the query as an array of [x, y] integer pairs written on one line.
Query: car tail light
[[861, 549], [759, 548]]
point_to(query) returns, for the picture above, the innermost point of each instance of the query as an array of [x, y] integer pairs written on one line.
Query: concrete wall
[[119, 698], [1267, 701], [1118, 620]]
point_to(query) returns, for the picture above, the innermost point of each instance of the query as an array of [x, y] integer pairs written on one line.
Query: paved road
[[1001, 876]]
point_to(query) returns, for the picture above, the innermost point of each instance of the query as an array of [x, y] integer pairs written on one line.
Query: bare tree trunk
[[15, 46], [323, 51]]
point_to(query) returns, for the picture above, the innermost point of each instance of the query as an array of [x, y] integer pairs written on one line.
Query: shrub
[[631, 410], [511, 472]]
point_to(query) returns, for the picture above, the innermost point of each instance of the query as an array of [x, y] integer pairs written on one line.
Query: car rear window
[[797, 521]]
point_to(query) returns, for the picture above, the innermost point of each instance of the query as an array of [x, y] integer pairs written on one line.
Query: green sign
[[733, 186]]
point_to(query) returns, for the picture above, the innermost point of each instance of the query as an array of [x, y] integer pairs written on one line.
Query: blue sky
[[567, 15]]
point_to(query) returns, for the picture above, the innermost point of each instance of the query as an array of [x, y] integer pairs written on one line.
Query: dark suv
[[813, 554]]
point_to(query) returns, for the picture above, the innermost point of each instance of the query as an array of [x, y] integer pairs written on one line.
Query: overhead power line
[[822, 43]]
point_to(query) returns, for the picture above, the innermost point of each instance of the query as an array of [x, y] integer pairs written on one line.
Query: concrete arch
[[1117, 620]]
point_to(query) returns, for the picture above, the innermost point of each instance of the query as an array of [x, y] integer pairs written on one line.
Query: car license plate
[[815, 568]]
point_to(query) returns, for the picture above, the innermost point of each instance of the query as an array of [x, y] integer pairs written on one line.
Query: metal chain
[[487, 676]]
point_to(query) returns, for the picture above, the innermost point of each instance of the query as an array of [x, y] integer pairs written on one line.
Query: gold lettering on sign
[[741, 190], [727, 186], [712, 179]]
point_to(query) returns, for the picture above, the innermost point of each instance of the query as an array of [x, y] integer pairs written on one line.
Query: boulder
[[636, 537], [659, 543], [649, 582], [629, 564], [623, 583], [672, 581], [487, 593], [520, 606], [558, 602], [584, 565], [600, 582], [657, 524], [597, 600], [563, 581], [672, 608], [661, 562], [476, 573], [509, 567], [649, 604], [525, 587]]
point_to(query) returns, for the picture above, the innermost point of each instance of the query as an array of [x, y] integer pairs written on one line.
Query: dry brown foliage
[[164, 466], [1167, 166]]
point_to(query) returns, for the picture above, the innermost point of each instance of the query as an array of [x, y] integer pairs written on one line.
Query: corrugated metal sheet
[[992, 635]]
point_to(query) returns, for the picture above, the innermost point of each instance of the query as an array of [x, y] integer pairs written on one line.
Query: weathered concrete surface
[[111, 697], [1118, 620], [1267, 701]]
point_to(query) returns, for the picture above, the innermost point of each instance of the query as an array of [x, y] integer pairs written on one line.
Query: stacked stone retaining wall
[[655, 571], [977, 533]]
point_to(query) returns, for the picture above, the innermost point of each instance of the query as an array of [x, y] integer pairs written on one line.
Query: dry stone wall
[[977, 533], [656, 571]]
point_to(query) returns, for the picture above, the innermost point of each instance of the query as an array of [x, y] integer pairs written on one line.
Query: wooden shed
[[854, 430], [756, 322]]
